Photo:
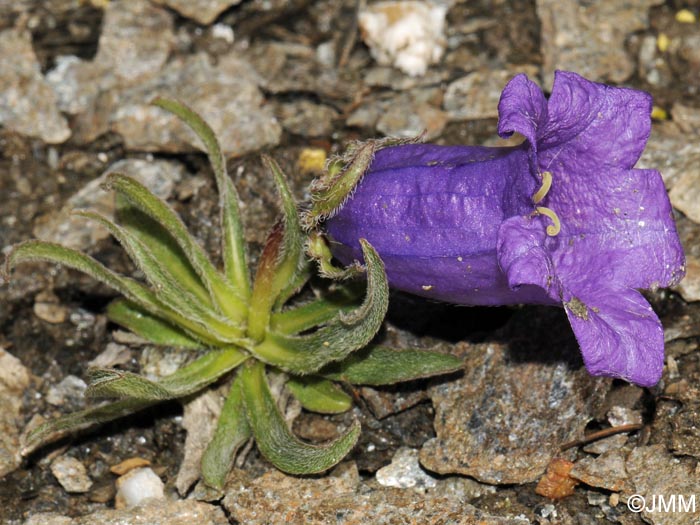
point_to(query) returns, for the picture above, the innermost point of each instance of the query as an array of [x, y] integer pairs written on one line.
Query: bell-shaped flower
[[562, 219]]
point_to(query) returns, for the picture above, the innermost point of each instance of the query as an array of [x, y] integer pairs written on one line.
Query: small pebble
[[71, 474], [405, 471], [136, 486], [685, 16], [128, 465]]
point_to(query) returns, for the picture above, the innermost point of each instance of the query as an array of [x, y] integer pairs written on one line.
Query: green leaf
[[319, 395], [281, 260], [274, 439], [305, 354], [320, 311], [129, 288], [220, 290], [148, 326], [189, 379], [378, 365], [55, 429], [233, 241], [167, 285], [232, 431], [160, 244]]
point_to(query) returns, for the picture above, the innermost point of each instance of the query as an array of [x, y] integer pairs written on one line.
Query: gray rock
[[163, 512], [654, 472], [136, 40], [14, 379], [70, 390], [225, 94], [28, 105], [339, 498], [503, 421], [202, 11], [607, 471], [476, 95], [405, 472], [307, 119], [160, 176], [199, 419], [685, 193], [421, 117], [589, 36], [71, 474], [689, 287]]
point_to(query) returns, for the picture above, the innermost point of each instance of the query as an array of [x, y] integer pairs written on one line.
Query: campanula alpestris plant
[[236, 328], [562, 219]]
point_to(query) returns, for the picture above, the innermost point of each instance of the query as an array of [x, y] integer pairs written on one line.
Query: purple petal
[[618, 332], [618, 227], [522, 109], [522, 257]]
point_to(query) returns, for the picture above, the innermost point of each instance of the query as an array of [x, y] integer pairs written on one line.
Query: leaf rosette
[[237, 327]]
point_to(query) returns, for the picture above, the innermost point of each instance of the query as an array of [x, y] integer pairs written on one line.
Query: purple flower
[[562, 219]]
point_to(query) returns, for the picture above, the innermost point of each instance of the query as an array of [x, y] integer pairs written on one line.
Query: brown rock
[[589, 36], [503, 421], [14, 379], [557, 482]]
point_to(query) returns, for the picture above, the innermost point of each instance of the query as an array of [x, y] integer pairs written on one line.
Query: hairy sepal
[[348, 331]]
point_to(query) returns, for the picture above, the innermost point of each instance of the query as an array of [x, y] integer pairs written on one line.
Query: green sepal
[[319, 395], [148, 326], [232, 431], [233, 241], [220, 290], [274, 439], [348, 331], [189, 379], [378, 365], [317, 248]]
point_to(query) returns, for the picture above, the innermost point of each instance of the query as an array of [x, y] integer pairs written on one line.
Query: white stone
[[136, 486], [406, 34], [71, 474]]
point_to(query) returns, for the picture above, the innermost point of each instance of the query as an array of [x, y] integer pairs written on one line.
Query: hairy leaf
[[167, 286], [274, 439], [189, 379], [148, 326], [55, 429], [378, 365], [232, 431], [319, 395], [222, 293], [232, 238]]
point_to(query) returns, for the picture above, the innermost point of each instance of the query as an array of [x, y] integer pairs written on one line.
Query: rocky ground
[[285, 77]]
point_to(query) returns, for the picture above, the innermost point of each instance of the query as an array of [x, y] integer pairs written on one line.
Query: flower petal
[[522, 109], [618, 227], [523, 258], [618, 332], [592, 124]]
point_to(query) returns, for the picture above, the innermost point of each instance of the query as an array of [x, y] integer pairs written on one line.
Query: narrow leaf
[[167, 286], [160, 243], [318, 312], [233, 241], [129, 288], [232, 431], [350, 331], [222, 293], [378, 365], [189, 379], [281, 260], [319, 395], [55, 429], [274, 439], [148, 326]]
